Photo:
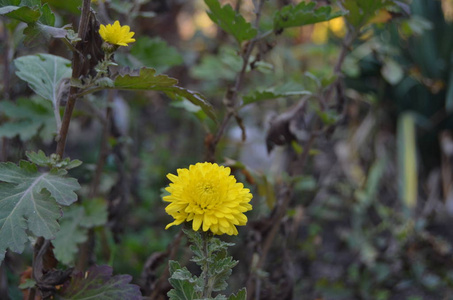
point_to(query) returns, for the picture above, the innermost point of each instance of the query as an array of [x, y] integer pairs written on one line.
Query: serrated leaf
[[27, 118], [241, 295], [98, 283], [47, 16], [303, 14], [183, 283], [256, 96], [27, 203], [53, 161], [156, 53], [74, 225], [38, 158], [70, 235], [220, 270], [230, 21], [148, 80]]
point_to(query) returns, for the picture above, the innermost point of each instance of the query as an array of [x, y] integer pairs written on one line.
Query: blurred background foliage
[[369, 213]]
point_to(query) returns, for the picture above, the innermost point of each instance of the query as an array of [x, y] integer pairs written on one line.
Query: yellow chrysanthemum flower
[[210, 197], [116, 34]]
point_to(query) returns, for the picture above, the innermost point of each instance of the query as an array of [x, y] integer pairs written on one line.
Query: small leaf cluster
[[211, 255]]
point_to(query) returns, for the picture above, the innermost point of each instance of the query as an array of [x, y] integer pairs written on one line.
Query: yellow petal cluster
[[209, 197], [116, 34]]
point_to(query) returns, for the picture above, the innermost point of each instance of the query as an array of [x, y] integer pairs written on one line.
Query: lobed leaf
[[303, 14], [183, 283], [241, 295], [27, 118], [99, 283], [71, 234], [27, 203], [74, 227], [230, 21]]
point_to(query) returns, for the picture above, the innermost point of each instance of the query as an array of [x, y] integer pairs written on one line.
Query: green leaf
[[47, 16], [194, 97], [256, 96], [361, 11], [9, 3], [230, 21], [98, 283], [26, 118], [225, 65], [29, 203], [35, 33], [74, 227], [43, 73], [95, 213], [183, 283], [53, 161], [156, 53], [72, 6], [24, 13], [241, 295], [407, 159], [147, 80], [70, 235], [303, 14]]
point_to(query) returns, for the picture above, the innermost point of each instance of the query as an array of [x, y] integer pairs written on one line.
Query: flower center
[[207, 195]]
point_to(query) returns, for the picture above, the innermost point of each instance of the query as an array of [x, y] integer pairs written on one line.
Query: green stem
[[207, 290]]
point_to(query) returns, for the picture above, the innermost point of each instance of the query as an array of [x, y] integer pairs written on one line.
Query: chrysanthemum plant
[[33, 193], [209, 201]]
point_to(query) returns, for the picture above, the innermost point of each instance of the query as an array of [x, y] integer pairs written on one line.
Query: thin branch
[[40, 244], [232, 94], [77, 61]]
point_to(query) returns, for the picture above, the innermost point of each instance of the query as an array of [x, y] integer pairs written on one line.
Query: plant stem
[[77, 63], [205, 270]]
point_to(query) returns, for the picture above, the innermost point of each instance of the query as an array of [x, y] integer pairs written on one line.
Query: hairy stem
[[207, 289]]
